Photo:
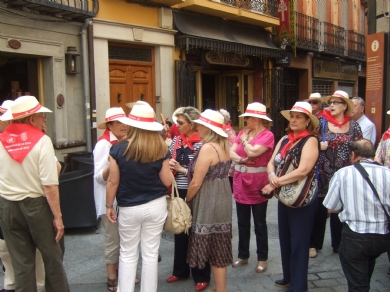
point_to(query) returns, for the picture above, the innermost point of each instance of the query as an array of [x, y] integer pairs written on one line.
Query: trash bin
[[72, 165]]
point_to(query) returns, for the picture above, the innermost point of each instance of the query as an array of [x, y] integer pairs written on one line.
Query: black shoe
[[159, 258], [336, 250], [388, 273], [282, 283]]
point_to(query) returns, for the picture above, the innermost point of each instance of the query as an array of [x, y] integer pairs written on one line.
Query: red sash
[[386, 135], [106, 136], [19, 139], [292, 140], [328, 116]]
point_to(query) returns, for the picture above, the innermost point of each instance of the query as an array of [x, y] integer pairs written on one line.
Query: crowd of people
[[211, 165]]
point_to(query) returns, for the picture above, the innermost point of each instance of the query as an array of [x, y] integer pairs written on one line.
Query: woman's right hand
[[111, 215], [174, 165], [267, 189], [324, 145]]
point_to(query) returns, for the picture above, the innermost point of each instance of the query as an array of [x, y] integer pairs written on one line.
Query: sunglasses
[[313, 102], [335, 102], [181, 123], [41, 115]]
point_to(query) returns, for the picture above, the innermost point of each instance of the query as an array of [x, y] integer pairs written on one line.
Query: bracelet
[[110, 207], [271, 173], [185, 171], [241, 160]]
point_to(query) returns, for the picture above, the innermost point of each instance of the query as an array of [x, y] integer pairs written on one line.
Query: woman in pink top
[[251, 152]]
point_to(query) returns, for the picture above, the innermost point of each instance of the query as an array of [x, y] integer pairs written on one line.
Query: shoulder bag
[[301, 192], [179, 218]]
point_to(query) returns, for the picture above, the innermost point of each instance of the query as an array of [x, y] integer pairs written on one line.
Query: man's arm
[[53, 199]]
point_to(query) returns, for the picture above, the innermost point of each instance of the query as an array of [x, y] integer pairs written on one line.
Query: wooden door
[[130, 82]]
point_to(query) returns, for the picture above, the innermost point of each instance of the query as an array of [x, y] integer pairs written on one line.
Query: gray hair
[[189, 113], [361, 100], [226, 116]]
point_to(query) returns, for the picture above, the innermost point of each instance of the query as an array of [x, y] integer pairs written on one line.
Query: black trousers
[[295, 225], [180, 266], [244, 229], [336, 227], [319, 225], [358, 253]]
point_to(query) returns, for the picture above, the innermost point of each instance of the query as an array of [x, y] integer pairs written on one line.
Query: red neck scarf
[[19, 139], [106, 136], [292, 140], [328, 116], [386, 135], [189, 142]]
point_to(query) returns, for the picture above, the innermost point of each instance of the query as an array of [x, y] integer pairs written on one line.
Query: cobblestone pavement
[[86, 270]]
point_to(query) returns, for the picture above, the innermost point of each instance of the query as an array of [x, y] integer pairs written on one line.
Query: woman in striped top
[[183, 149]]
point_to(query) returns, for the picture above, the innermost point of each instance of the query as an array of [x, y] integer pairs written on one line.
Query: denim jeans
[[358, 253], [244, 229]]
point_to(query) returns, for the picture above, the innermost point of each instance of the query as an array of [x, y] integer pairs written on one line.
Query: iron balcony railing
[[332, 38], [356, 44], [267, 7], [77, 10], [307, 31], [315, 35]]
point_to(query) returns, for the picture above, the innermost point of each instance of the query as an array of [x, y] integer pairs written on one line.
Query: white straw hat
[[388, 112], [142, 117], [315, 96], [212, 120], [257, 110], [113, 114], [22, 107], [302, 107], [344, 97], [138, 102], [6, 105]]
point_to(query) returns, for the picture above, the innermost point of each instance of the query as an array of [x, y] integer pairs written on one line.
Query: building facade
[[41, 44]]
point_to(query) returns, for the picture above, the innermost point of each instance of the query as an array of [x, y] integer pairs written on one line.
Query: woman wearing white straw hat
[[114, 131], [211, 201], [251, 152], [336, 132], [295, 223], [138, 179]]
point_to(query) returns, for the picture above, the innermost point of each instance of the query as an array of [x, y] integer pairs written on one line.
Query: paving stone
[[329, 275], [312, 277], [325, 283], [340, 288]]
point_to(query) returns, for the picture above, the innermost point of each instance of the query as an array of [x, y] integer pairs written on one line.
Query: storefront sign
[[283, 62], [375, 44], [227, 59], [334, 70]]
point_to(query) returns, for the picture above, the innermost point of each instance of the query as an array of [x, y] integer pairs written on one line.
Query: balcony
[[74, 10], [307, 32], [356, 45], [263, 13], [314, 35]]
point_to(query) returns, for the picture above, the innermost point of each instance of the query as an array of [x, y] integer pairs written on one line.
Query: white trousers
[[9, 278], [140, 224]]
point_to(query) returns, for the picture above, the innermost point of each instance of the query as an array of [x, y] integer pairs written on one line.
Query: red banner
[[284, 16]]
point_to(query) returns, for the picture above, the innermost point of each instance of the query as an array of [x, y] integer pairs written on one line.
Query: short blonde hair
[[144, 146], [189, 113], [212, 136]]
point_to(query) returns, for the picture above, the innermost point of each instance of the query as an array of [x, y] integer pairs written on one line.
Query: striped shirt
[[181, 179], [350, 192]]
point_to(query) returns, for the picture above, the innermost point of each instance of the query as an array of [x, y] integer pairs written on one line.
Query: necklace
[[252, 134]]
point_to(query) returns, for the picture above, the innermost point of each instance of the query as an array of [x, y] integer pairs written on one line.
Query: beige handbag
[[179, 216]]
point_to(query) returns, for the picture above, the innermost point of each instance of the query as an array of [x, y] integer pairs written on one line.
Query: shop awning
[[198, 31]]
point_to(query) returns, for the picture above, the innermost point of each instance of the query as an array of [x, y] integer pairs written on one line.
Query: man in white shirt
[[368, 127]]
